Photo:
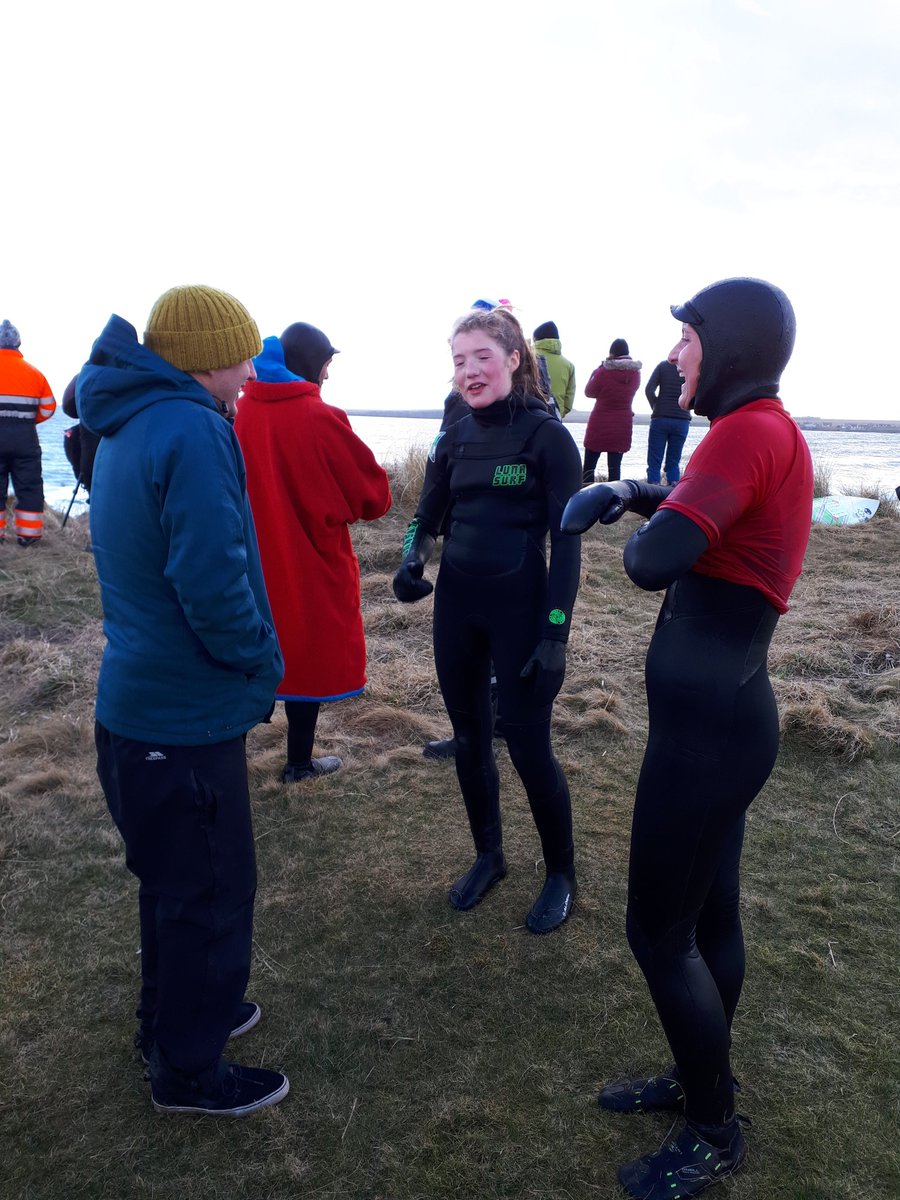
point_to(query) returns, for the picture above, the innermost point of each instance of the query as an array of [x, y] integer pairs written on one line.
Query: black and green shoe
[[684, 1167], [659, 1093], [644, 1095]]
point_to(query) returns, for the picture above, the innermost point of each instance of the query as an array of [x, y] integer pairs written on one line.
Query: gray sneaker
[[316, 767]]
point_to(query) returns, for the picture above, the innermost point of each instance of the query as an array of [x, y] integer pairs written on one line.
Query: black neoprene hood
[[746, 328]]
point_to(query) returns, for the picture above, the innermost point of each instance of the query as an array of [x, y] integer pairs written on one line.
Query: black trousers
[[713, 741], [592, 457], [184, 815], [302, 716], [20, 459], [478, 621]]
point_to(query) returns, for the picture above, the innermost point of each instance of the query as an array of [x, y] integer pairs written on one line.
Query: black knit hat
[[547, 330], [619, 348], [306, 350]]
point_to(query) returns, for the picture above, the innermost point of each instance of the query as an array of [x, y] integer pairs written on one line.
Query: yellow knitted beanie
[[198, 328]]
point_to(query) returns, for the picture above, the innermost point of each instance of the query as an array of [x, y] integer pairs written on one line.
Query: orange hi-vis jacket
[[25, 401], [24, 392]]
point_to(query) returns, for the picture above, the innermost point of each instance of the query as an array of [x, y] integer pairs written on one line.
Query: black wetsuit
[[713, 732], [712, 743], [503, 476]]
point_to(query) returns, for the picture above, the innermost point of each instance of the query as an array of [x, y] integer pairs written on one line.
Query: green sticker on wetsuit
[[511, 475], [557, 617]]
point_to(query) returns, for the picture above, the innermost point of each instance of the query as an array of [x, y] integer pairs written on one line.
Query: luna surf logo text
[[510, 475]]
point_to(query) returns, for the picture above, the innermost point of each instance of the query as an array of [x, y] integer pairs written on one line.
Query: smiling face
[[482, 369], [225, 383], [687, 356]]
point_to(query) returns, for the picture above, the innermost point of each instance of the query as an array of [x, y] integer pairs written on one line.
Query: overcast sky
[[373, 168]]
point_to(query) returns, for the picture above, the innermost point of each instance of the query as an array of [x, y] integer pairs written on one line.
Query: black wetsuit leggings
[[477, 620], [712, 743]]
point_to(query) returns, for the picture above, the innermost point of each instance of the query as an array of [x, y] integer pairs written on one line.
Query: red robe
[[308, 477]]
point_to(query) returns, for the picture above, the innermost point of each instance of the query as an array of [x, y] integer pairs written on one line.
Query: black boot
[[470, 889], [686, 1166], [661, 1092], [554, 904], [444, 748]]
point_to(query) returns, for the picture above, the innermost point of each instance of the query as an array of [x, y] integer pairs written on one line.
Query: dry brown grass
[[836, 656], [822, 472], [433, 1056]]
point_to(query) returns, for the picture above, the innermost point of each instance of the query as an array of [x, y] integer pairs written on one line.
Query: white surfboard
[[843, 510]]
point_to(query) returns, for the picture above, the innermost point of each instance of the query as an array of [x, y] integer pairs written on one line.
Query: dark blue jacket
[[663, 391], [191, 654]]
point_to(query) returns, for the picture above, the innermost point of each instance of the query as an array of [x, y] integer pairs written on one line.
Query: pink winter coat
[[612, 386]]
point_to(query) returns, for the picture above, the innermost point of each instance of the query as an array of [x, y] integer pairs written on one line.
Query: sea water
[[867, 459], [855, 459]]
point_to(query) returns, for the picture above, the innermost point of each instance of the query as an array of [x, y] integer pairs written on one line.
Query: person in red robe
[[309, 477]]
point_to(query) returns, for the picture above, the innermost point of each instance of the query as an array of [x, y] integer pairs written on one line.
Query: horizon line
[[580, 416]]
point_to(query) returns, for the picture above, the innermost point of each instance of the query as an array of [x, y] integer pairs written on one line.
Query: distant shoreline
[[580, 418]]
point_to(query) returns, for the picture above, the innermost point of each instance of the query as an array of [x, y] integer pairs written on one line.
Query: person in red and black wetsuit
[[503, 474], [727, 544]]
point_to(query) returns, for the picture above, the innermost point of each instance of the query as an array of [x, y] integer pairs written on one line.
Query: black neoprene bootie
[[554, 904], [470, 889], [686, 1166], [659, 1092]]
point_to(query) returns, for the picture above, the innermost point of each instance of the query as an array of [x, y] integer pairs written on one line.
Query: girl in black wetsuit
[[503, 475], [727, 543]]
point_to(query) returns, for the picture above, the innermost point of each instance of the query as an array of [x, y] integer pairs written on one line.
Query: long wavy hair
[[503, 328]]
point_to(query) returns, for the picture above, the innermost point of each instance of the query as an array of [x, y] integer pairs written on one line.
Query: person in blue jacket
[[191, 663]]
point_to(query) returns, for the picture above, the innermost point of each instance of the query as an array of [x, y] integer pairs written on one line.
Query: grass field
[[441, 1055]]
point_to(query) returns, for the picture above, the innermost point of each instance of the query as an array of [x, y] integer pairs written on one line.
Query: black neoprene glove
[[409, 585], [546, 669], [606, 502]]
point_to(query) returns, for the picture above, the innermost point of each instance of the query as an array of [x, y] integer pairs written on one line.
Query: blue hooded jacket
[[269, 364], [191, 654]]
